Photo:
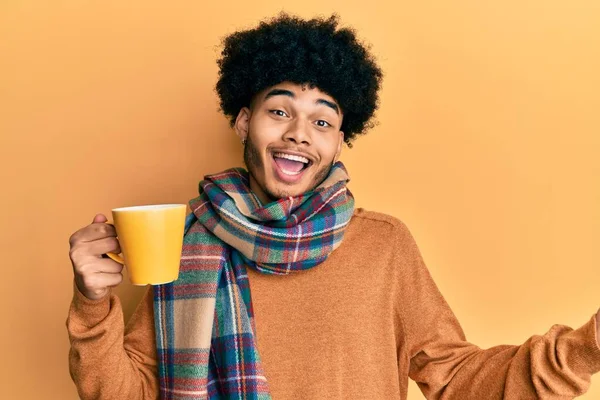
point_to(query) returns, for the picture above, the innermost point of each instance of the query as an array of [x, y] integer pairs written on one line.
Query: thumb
[[99, 218]]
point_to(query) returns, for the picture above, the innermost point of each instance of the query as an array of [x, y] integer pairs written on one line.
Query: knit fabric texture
[[204, 321]]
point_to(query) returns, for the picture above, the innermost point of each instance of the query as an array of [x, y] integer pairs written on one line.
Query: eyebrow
[[284, 92]]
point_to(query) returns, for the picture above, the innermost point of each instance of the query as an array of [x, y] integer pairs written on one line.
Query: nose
[[297, 133]]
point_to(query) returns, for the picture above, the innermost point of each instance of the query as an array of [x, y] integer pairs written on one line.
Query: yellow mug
[[151, 239]]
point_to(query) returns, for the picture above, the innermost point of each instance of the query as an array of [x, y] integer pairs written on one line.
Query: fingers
[[80, 252], [108, 266], [112, 280], [95, 285], [103, 246], [99, 218], [92, 232], [99, 265], [94, 274], [102, 280]]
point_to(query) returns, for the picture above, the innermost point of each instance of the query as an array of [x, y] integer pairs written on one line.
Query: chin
[[280, 192]]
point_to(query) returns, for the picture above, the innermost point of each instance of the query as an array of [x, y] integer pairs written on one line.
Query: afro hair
[[313, 52]]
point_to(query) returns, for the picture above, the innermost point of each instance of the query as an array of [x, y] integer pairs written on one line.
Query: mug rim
[[148, 207]]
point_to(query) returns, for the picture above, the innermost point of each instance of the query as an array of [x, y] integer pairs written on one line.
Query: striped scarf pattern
[[204, 321]]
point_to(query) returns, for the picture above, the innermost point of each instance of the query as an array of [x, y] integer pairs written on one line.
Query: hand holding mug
[[94, 275], [150, 237]]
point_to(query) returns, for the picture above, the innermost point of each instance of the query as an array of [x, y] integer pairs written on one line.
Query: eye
[[278, 113], [323, 123]]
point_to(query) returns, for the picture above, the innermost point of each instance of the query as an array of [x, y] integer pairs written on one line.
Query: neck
[[259, 192]]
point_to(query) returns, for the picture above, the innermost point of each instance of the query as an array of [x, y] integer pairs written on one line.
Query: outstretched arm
[[556, 365]]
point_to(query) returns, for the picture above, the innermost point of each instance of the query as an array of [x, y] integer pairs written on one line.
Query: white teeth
[[290, 172], [293, 158]]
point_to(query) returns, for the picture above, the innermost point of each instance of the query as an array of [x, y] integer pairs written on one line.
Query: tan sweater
[[355, 327]]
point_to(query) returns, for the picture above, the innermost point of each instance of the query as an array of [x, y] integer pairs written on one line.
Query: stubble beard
[[254, 163]]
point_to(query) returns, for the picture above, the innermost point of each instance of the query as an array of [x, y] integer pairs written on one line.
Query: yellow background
[[487, 148]]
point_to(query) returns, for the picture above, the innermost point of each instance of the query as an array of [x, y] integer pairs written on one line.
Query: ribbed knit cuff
[[586, 355], [89, 312]]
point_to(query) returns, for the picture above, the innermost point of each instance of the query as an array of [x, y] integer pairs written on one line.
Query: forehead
[[301, 92]]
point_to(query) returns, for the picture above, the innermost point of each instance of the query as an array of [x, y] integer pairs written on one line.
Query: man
[[285, 290]]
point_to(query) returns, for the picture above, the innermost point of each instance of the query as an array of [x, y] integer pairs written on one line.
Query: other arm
[[107, 360], [556, 365]]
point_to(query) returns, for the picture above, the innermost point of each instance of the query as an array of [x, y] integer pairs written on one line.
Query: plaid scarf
[[204, 321]]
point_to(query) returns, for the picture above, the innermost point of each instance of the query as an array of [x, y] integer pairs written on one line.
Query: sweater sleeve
[[556, 365], [108, 360]]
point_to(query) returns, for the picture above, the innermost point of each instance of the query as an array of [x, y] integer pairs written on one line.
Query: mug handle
[[115, 256]]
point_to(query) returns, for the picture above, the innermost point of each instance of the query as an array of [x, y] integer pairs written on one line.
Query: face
[[293, 137]]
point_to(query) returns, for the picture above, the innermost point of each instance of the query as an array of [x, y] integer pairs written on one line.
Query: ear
[[242, 123], [339, 148]]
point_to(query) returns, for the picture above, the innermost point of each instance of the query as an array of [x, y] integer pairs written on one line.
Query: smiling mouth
[[291, 165]]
